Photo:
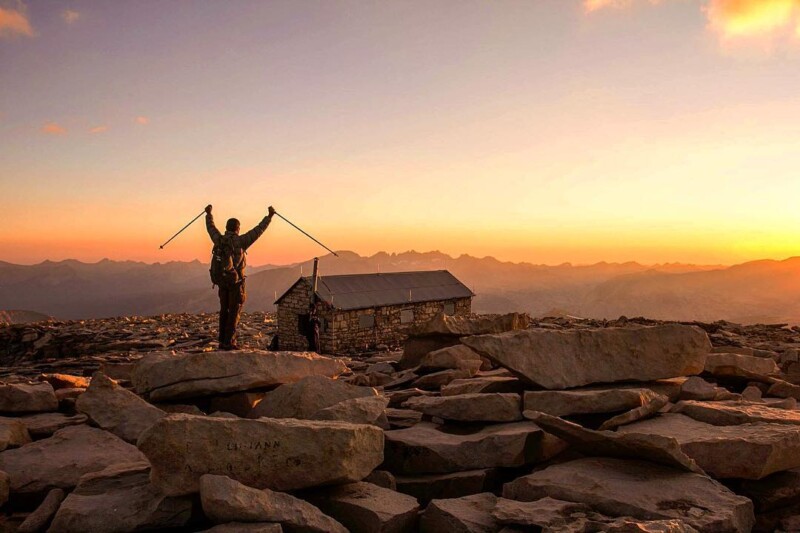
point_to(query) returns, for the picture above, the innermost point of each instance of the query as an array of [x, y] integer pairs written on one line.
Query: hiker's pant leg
[[236, 299], [223, 315]]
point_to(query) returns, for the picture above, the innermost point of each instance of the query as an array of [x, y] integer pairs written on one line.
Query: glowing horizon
[[579, 131]]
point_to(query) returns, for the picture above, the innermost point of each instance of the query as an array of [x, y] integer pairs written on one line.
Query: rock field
[[480, 424]]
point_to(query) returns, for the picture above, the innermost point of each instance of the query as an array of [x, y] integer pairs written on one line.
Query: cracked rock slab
[[166, 376]]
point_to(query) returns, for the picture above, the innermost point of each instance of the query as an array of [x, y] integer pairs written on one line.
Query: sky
[[545, 131]]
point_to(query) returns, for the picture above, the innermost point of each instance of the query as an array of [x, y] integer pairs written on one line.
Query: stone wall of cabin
[[342, 331], [348, 335]]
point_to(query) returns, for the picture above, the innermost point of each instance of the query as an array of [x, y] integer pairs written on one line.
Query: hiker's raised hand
[[208, 209], [271, 211]]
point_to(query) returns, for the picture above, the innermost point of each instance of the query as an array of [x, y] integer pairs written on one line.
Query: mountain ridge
[[760, 290]]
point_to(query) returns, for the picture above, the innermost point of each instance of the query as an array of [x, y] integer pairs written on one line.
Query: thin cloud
[[143, 121], [98, 129], [14, 22], [70, 16], [53, 128]]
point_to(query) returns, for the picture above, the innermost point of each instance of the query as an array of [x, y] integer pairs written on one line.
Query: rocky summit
[[480, 424]]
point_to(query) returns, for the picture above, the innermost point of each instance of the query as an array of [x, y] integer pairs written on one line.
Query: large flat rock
[[18, 398], [43, 425], [116, 409], [573, 358], [468, 514], [463, 326], [428, 448], [487, 407], [365, 508], [647, 491], [306, 397], [586, 401], [656, 448], [443, 331], [483, 384], [167, 376], [746, 451], [226, 500], [453, 357], [732, 413], [120, 498], [61, 460], [739, 365], [278, 454]]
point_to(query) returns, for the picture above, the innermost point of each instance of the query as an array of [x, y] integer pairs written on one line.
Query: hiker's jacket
[[240, 242]]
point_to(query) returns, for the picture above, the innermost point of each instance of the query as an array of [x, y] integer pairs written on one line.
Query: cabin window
[[366, 321], [406, 316], [450, 308]]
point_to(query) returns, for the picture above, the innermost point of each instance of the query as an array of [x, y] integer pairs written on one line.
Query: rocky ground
[[480, 424]]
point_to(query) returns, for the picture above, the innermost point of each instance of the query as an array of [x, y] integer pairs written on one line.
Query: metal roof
[[361, 291]]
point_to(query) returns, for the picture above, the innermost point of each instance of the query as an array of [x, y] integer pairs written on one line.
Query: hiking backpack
[[224, 272]]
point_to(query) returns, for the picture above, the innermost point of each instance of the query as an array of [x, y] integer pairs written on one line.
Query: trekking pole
[[183, 228], [304, 233]]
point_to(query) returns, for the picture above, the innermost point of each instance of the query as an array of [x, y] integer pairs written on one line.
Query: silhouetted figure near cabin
[[312, 333], [228, 262]]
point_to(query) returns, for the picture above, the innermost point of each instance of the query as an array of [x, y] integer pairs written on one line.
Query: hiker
[[312, 331], [227, 271]]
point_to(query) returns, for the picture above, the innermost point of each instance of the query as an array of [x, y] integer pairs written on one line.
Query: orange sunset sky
[[530, 130]]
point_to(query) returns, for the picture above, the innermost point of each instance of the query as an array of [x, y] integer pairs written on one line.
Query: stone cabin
[[361, 311]]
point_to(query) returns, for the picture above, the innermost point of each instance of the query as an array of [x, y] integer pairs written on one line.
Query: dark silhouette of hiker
[[232, 295], [312, 333]]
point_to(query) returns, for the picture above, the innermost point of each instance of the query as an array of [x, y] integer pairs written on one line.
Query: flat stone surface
[[227, 500], [120, 498], [660, 449], [439, 379], [462, 326], [437, 486], [45, 424], [544, 513], [39, 519], [166, 376], [61, 460], [13, 433], [306, 397], [732, 413], [116, 409], [457, 357], [468, 514], [586, 401], [487, 407], [732, 364], [367, 410], [365, 508], [279, 454], [17, 398], [696, 388], [572, 358], [642, 490], [746, 451], [428, 448], [483, 384]]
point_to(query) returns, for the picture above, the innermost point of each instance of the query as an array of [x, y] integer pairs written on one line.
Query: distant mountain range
[[758, 291]]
